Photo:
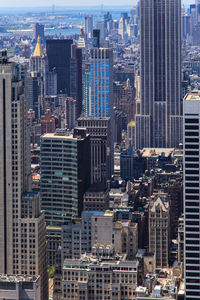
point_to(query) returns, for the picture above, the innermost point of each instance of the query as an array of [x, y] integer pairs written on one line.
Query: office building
[[81, 39], [39, 61], [124, 98], [22, 227], [76, 78], [38, 31], [127, 164], [96, 38], [86, 89], [35, 93], [65, 174], [70, 113], [96, 198], [101, 83], [159, 221], [19, 287], [48, 123], [39, 70], [191, 195], [99, 279], [88, 26], [159, 113], [98, 229], [59, 56], [101, 145], [121, 234]]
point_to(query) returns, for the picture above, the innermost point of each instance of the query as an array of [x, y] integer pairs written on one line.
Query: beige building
[[123, 235], [100, 228], [19, 287], [88, 278], [22, 227], [159, 220]]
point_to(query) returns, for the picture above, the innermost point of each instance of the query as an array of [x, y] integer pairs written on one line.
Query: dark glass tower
[[59, 56]]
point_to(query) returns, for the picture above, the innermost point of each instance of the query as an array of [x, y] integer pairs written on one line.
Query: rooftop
[[38, 49], [194, 95], [19, 278]]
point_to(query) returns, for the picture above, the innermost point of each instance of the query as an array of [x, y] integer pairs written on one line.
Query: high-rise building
[[197, 4], [101, 144], [96, 38], [38, 30], [86, 89], [191, 195], [101, 83], [76, 78], [40, 81], [65, 174], [39, 60], [59, 56], [22, 226], [88, 26], [70, 113], [158, 121], [159, 220]]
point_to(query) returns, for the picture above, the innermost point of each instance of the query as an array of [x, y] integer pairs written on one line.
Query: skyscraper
[[101, 145], [191, 195], [101, 83], [22, 227], [88, 26], [76, 78], [65, 175], [59, 56], [38, 30], [158, 119]]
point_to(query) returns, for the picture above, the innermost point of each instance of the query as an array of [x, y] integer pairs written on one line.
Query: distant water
[[73, 18]]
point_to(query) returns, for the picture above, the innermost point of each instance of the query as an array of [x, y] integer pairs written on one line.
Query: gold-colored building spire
[[38, 49]]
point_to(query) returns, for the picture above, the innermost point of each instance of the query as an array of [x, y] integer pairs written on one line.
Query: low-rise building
[[89, 278]]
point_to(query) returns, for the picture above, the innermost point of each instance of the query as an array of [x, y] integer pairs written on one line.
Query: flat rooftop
[[195, 95], [19, 278]]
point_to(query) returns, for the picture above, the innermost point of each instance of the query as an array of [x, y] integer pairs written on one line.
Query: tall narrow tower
[[101, 83], [191, 195], [158, 119], [22, 227]]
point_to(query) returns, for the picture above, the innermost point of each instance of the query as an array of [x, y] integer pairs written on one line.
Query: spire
[[38, 49]]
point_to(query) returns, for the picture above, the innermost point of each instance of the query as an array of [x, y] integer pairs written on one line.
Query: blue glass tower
[[101, 83]]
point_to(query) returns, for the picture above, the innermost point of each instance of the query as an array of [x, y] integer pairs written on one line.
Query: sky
[[31, 3]]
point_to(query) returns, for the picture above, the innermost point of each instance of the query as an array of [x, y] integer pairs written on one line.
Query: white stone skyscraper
[[159, 111]]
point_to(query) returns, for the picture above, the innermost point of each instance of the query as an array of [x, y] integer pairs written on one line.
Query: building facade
[[22, 227], [101, 83], [65, 175], [101, 144], [89, 279], [59, 57], [159, 220], [159, 114], [191, 195]]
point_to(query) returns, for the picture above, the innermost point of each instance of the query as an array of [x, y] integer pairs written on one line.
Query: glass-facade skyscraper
[[101, 83]]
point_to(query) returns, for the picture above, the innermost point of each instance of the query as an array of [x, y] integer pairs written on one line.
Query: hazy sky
[[31, 3]]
